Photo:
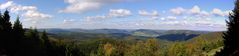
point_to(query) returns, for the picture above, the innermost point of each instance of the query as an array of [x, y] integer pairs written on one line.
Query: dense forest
[[18, 41]]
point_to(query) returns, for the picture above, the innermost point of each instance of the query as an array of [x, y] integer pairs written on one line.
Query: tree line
[[17, 41]]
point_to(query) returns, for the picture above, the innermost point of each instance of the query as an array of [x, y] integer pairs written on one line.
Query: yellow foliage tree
[[108, 49]]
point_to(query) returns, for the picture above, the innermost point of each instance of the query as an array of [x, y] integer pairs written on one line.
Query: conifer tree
[[36, 48], [34, 35], [7, 26], [18, 36], [1, 23], [2, 49], [18, 29], [46, 42], [6, 33], [231, 37], [45, 38]]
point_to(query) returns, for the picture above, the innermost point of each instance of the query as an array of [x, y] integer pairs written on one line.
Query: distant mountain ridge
[[172, 35], [177, 35]]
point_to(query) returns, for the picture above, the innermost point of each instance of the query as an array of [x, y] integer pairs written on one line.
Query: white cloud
[[170, 22], [113, 13], [219, 12], [168, 18], [32, 15], [203, 22], [195, 10], [68, 21], [178, 11], [226, 13], [17, 8], [80, 6], [119, 12], [204, 14], [150, 14], [172, 17], [195, 22], [99, 17], [6, 5], [29, 13], [71, 1]]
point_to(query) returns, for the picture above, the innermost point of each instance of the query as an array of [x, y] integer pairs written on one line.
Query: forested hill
[[206, 44], [171, 35]]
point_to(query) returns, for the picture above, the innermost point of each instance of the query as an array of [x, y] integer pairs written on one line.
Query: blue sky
[[121, 14]]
